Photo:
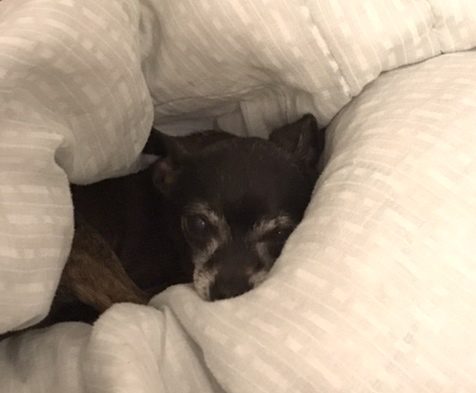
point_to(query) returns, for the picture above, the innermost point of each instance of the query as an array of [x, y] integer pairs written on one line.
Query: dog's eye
[[196, 225], [279, 234], [273, 240]]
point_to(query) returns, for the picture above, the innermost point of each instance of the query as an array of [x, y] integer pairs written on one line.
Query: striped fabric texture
[[73, 106], [256, 64], [375, 291]]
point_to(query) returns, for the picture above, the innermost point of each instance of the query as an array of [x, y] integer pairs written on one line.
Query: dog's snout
[[224, 289], [234, 264]]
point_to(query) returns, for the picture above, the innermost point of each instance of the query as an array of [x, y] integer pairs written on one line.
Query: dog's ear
[[163, 145], [173, 151], [302, 139]]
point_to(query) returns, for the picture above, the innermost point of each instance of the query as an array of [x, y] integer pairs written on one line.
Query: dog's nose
[[224, 289]]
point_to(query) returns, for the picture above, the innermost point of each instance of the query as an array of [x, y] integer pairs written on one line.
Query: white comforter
[[375, 291]]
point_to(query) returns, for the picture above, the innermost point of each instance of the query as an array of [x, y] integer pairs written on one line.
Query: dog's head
[[236, 200]]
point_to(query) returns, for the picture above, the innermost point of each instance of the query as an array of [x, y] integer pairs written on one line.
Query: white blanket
[[375, 291]]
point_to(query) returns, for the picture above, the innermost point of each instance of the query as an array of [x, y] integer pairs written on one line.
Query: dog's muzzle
[[228, 287]]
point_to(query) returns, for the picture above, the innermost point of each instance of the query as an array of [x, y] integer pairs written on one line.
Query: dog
[[214, 210]]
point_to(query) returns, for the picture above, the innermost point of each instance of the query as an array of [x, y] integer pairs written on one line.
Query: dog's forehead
[[244, 179], [243, 164]]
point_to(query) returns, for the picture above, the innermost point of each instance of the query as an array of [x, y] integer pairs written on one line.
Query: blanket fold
[[375, 289], [73, 107]]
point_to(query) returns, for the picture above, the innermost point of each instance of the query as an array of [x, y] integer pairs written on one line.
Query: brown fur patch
[[93, 273]]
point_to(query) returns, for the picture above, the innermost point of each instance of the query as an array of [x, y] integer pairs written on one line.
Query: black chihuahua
[[214, 209]]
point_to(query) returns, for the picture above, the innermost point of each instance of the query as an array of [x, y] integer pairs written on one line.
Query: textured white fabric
[[73, 105], [375, 290], [267, 61]]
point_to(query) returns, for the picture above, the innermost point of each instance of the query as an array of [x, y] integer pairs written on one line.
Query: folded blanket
[[73, 106], [373, 292]]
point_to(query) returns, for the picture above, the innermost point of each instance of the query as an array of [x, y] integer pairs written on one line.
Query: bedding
[[374, 291]]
